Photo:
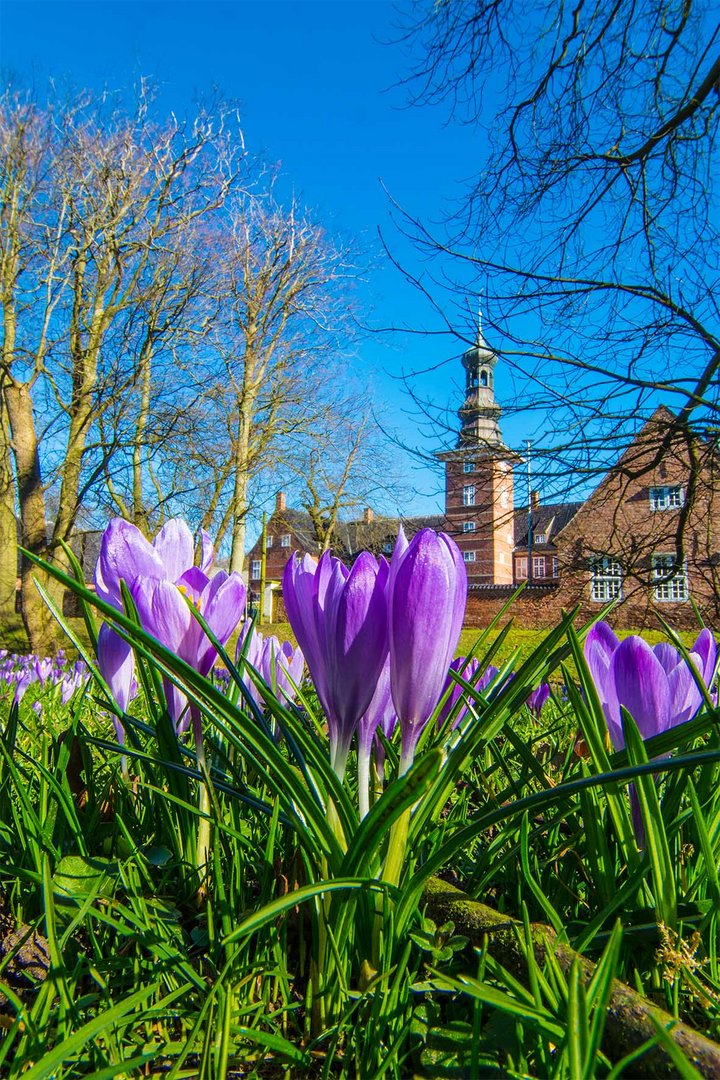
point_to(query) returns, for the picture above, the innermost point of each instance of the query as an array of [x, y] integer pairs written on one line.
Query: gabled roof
[[547, 520]]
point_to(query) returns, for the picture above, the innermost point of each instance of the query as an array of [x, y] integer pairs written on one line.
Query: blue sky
[[317, 86]]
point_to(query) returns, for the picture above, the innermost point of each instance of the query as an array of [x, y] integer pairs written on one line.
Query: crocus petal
[[380, 713], [222, 605], [165, 614], [193, 583], [685, 697], [174, 545], [427, 595], [705, 649], [207, 551], [538, 699], [116, 662], [468, 669], [600, 646], [124, 554], [300, 596], [667, 655], [641, 686], [354, 639], [283, 667]]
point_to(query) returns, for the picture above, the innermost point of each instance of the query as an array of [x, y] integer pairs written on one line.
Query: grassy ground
[[14, 639]]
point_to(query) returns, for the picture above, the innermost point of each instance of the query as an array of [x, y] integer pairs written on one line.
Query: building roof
[[547, 520]]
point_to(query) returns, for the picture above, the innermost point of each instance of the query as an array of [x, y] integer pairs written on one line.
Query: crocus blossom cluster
[[655, 684], [279, 664], [20, 672], [377, 634], [164, 583]]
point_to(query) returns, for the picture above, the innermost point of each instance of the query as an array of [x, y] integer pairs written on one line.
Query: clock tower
[[479, 476]]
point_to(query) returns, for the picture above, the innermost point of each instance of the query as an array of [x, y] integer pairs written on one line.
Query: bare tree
[[588, 228], [94, 204], [282, 313], [343, 465]]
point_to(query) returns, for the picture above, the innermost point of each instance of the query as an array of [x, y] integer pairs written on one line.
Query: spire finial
[[480, 338]]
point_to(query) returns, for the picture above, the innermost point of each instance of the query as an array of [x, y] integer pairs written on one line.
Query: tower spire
[[480, 413]]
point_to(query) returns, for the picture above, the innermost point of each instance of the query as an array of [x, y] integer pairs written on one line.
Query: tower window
[[469, 495], [468, 466], [255, 569], [468, 526], [483, 377], [469, 556]]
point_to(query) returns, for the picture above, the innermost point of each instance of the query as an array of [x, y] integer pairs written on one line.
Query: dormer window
[[540, 538], [667, 498]]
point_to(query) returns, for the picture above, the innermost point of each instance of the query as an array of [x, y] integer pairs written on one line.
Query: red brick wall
[[492, 514], [618, 520]]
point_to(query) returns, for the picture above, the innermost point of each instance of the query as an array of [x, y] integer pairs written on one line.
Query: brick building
[[648, 536]]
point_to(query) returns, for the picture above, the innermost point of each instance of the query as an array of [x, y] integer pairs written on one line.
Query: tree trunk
[[8, 525], [631, 1018], [240, 490], [38, 622]]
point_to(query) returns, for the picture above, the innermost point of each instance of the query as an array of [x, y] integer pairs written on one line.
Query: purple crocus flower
[[339, 618], [468, 669], [116, 662], [655, 685], [538, 699], [165, 613], [125, 555], [280, 665], [427, 596]]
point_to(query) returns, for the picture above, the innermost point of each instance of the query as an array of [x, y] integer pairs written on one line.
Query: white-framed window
[[255, 569], [469, 556], [285, 540], [468, 466], [268, 541], [468, 526], [606, 576], [469, 495], [556, 566], [667, 498], [540, 538], [538, 566], [670, 581], [521, 568]]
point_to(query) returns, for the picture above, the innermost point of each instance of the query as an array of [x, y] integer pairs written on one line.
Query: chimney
[[367, 515], [534, 499], [279, 502]]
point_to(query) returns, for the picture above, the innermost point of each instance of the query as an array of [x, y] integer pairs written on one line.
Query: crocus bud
[[427, 599], [538, 698], [339, 618]]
